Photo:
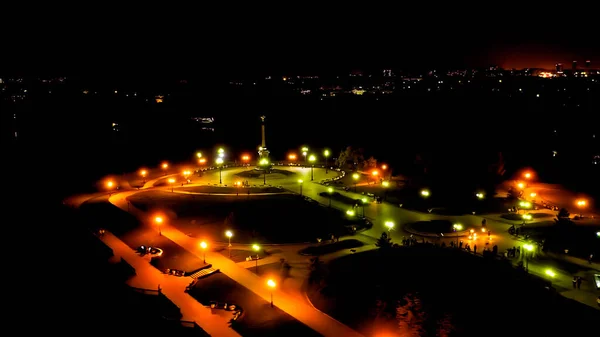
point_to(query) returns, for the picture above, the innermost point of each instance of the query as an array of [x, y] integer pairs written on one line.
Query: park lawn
[[258, 318], [264, 219]]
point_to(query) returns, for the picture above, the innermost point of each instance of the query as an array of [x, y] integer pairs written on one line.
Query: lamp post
[[229, 234], [271, 285], [165, 166], [158, 220], [186, 175], [326, 155], [305, 153], [110, 185], [355, 176], [143, 173], [171, 182], [390, 226], [301, 182], [203, 245], [385, 185], [330, 192], [528, 250], [264, 163], [364, 202], [581, 204], [219, 162], [425, 193], [456, 228], [256, 249], [312, 159]]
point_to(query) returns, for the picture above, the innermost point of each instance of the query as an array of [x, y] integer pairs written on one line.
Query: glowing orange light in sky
[[245, 157], [292, 156]]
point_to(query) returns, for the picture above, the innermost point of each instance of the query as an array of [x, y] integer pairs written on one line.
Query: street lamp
[[581, 204], [457, 228], [158, 220], [110, 185], [364, 202], [204, 245], [292, 157], [265, 164], [256, 249], [271, 285], [171, 181], [143, 173], [390, 226], [355, 176], [199, 154], [385, 185], [425, 193], [312, 159], [350, 212], [480, 195], [300, 181], [186, 174], [245, 158], [326, 154], [219, 162], [528, 248], [229, 234], [304, 153], [165, 166], [330, 192]]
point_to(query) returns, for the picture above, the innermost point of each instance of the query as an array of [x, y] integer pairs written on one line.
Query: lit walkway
[[303, 312], [173, 287]]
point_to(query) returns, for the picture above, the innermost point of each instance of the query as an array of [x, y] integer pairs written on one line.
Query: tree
[[384, 242], [562, 217], [343, 157], [371, 163]]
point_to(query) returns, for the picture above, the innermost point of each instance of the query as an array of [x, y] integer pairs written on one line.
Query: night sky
[[237, 45]]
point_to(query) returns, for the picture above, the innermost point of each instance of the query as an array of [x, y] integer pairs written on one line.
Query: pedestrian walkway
[[303, 312], [148, 277]]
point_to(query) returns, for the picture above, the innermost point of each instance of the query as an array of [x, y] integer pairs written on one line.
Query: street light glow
[[245, 157], [581, 203], [300, 181], [292, 156], [527, 216], [521, 185], [304, 149], [385, 183], [389, 225], [165, 166], [143, 173], [384, 167], [199, 154], [229, 234], [525, 204], [219, 161], [550, 272], [264, 162], [326, 153], [364, 200], [330, 189], [457, 227], [256, 247], [425, 193], [350, 212], [355, 176], [527, 175], [202, 160], [203, 245], [312, 158], [533, 194], [110, 184], [158, 220], [529, 247], [271, 283], [171, 180], [479, 195]]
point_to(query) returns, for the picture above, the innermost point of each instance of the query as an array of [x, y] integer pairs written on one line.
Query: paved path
[[173, 287], [303, 312]]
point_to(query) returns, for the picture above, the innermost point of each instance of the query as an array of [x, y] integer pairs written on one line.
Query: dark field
[[258, 318], [426, 291], [100, 214], [263, 219], [229, 189]]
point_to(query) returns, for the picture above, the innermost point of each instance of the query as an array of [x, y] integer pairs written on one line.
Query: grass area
[[101, 214], [258, 174], [258, 318], [265, 219], [330, 247], [519, 217], [581, 241], [428, 291], [432, 226], [230, 189]]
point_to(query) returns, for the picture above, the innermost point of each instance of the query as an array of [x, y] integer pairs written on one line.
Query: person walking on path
[[574, 282], [579, 280], [590, 258]]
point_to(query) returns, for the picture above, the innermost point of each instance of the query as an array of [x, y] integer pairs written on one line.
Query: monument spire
[[262, 149]]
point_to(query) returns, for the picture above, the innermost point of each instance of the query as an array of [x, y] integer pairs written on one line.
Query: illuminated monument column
[[263, 153]]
